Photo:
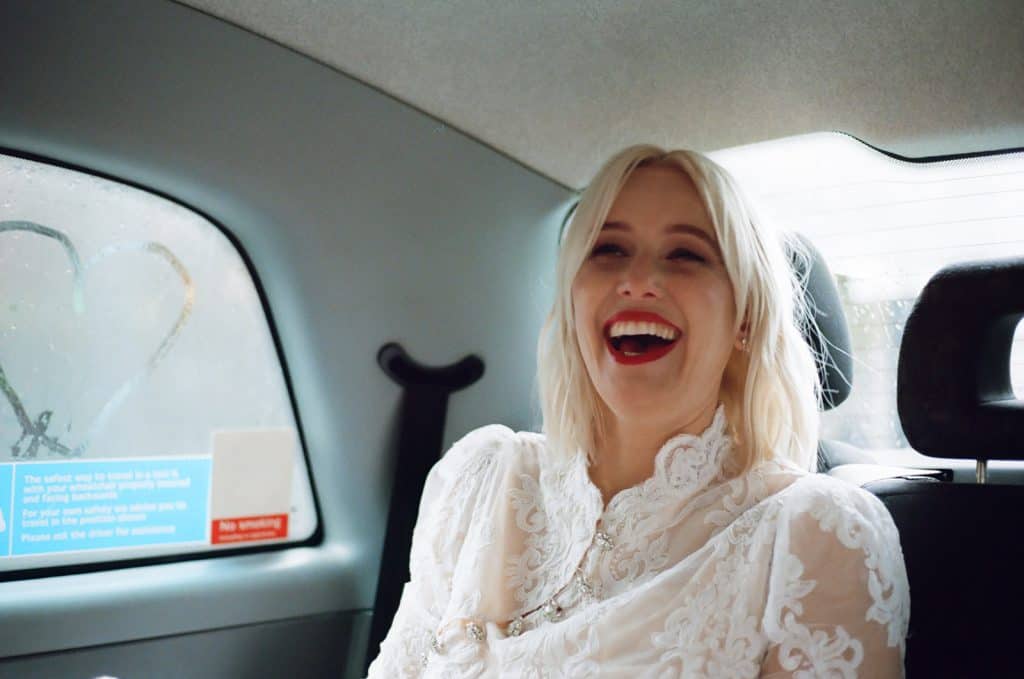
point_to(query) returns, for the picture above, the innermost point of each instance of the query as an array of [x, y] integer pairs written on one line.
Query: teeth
[[621, 328]]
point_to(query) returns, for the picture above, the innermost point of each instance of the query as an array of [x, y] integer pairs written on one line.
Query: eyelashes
[[613, 250], [607, 249], [685, 254]]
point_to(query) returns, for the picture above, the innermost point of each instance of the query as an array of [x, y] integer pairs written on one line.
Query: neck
[[625, 457]]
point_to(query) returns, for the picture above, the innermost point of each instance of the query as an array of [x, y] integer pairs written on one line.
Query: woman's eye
[[684, 254], [607, 249]]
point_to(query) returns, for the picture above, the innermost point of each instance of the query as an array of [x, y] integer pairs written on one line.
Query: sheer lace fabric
[[518, 570]]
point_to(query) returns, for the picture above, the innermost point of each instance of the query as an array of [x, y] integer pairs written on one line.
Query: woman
[[666, 523]]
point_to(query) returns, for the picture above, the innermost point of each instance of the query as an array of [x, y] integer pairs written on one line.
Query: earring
[[743, 344]]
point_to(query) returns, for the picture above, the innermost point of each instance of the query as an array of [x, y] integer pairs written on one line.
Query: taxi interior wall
[[365, 221]]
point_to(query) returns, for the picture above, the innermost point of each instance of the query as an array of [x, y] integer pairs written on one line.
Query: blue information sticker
[[107, 504], [6, 476]]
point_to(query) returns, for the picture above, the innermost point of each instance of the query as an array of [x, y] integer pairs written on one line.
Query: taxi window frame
[[316, 538]]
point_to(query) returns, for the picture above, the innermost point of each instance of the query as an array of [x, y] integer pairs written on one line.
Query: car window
[[143, 407], [885, 226]]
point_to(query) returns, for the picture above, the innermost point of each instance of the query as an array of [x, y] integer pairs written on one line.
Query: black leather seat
[[962, 541]]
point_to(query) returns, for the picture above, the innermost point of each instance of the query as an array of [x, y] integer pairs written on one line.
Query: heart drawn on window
[[35, 435]]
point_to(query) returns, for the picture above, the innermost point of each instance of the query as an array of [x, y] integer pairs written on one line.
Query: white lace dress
[[519, 570]]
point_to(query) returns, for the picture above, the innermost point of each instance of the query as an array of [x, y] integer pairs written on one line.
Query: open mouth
[[633, 340]]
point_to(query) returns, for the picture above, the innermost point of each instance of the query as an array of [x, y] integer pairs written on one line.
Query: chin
[[640, 404]]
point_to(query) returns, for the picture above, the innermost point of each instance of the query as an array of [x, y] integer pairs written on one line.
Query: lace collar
[[684, 465]]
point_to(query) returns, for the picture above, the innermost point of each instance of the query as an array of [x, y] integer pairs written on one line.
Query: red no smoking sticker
[[249, 528]]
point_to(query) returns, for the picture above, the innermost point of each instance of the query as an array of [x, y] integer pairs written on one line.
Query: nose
[[640, 280]]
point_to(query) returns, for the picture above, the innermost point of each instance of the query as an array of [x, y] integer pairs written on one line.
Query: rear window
[[885, 226], [143, 406]]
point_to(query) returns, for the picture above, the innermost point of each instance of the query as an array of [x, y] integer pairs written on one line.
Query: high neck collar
[[684, 465]]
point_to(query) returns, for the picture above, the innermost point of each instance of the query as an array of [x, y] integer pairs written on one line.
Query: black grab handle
[[407, 372], [421, 432]]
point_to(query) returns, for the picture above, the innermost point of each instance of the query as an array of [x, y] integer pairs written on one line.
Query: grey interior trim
[[311, 647], [90, 609]]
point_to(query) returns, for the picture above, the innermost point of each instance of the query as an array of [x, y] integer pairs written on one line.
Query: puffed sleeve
[[446, 509], [838, 598]]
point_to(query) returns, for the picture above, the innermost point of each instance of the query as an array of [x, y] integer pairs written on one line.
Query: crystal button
[[515, 628], [604, 541], [475, 631], [552, 611], [584, 587]]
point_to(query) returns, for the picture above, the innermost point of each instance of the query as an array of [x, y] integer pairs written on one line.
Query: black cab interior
[[263, 262]]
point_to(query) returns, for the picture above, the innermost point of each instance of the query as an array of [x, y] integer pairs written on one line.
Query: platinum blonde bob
[[770, 392]]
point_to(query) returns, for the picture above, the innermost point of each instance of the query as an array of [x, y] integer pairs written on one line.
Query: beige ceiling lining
[[561, 85]]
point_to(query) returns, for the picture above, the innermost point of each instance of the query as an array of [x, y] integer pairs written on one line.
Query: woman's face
[[653, 306]]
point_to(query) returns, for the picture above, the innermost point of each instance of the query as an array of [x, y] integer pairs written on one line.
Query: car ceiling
[[559, 86]]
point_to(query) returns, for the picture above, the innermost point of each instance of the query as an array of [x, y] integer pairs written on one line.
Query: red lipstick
[[650, 353]]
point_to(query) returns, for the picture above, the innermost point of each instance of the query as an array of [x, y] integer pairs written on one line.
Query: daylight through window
[[885, 226]]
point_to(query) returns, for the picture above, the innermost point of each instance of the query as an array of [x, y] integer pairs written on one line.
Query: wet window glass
[[885, 226], [143, 407]]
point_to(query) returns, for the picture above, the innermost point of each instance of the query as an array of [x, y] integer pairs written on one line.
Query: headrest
[[831, 342], [953, 382]]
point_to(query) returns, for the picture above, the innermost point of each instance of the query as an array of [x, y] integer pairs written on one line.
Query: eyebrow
[[674, 228]]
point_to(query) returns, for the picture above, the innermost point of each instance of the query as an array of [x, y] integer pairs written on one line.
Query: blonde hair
[[770, 394]]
